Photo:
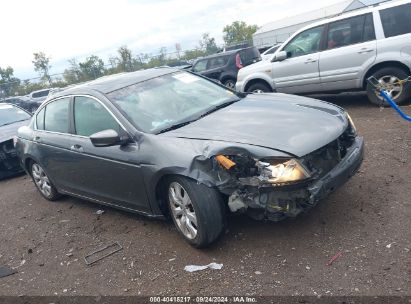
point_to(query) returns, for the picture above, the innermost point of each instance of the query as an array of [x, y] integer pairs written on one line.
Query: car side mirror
[[106, 138], [280, 56]]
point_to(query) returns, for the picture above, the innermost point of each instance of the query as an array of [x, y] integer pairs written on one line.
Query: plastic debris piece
[[334, 258], [6, 271], [389, 245], [102, 253], [192, 268], [100, 212]]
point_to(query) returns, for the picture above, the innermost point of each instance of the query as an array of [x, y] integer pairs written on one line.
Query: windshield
[[159, 103], [10, 114]]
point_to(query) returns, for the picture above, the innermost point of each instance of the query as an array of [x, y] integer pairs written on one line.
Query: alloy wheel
[[182, 210], [41, 180], [230, 84], [392, 85]]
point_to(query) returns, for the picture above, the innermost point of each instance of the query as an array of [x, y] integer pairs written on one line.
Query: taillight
[[238, 62]]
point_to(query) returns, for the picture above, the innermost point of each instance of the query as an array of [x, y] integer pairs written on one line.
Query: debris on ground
[[102, 253], [6, 271], [334, 258], [100, 212], [192, 268]]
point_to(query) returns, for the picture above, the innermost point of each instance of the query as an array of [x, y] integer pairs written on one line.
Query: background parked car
[[21, 101], [339, 54], [36, 98], [224, 66], [12, 117]]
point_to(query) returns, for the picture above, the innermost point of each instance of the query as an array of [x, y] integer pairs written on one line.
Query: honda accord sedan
[[169, 143]]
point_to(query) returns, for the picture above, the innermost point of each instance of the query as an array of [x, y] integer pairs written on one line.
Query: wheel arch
[[257, 80], [160, 191], [384, 64]]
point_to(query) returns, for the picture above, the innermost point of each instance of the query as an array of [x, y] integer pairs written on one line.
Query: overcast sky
[[78, 28]]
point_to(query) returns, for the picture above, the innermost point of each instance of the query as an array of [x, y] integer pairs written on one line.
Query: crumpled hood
[[293, 124], [7, 132]]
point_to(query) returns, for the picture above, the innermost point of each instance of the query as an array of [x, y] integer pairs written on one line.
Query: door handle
[[365, 50], [77, 148], [310, 61]]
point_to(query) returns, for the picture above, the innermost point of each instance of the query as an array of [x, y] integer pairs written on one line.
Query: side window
[[396, 20], [200, 66], [40, 120], [305, 43], [350, 31], [91, 117], [56, 116], [216, 62]]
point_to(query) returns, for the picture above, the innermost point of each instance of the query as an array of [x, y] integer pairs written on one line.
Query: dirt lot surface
[[368, 220]]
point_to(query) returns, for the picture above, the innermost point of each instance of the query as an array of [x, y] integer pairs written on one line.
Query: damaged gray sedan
[[164, 142]]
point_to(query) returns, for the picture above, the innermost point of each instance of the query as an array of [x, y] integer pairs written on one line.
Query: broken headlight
[[283, 172]]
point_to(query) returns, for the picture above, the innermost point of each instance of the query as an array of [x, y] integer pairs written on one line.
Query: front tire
[[197, 211], [43, 183], [259, 88], [388, 77]]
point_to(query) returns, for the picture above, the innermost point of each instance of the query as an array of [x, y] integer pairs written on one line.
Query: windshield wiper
[[218, 107], [176, 126], [209, 111]]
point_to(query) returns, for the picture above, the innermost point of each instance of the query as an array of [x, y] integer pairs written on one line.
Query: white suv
[[339, 54]]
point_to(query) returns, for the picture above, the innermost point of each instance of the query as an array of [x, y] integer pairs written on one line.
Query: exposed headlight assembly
[[285, 172], [275, 172]]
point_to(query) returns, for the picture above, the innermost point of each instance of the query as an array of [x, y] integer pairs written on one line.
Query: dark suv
[[224, 66]]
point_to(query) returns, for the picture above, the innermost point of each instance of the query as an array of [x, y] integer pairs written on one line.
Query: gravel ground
[[368, 220]]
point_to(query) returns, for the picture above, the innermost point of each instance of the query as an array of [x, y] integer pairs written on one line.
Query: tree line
[[125, 60]]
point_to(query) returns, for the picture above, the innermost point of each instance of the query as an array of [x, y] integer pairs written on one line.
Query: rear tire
[[229, 83], [259, 88], [43, 183], [388, 76], [197, 211]]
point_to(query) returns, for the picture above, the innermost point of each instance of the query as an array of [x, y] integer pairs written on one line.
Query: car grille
[[326, 158]]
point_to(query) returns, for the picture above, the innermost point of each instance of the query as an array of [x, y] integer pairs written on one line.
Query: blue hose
[[394, 105]]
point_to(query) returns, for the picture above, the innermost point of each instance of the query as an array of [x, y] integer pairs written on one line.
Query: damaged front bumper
[[277, 203]]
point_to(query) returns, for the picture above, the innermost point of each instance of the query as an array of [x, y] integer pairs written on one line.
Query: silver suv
[[339, 54]]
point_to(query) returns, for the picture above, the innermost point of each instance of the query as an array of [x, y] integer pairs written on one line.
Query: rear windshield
[[10, 114], [40, 94], [249, 56]]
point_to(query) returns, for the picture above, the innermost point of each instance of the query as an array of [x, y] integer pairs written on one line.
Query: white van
[[339, 54]]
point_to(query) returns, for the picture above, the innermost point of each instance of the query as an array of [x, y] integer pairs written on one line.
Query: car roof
[[107, 84], [227, 53], [349, 14]]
